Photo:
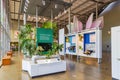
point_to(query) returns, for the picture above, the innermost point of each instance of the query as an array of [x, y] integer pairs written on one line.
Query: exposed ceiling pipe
[[110, 7]]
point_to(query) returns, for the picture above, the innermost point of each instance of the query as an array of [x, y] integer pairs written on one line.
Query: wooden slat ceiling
[[81, 8]]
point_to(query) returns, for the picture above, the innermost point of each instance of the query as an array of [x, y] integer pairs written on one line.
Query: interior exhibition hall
[[59, 39]]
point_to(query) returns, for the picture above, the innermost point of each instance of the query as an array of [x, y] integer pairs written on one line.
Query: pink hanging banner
[[89, 21], [102, 21], [98, 23], [80, 26]]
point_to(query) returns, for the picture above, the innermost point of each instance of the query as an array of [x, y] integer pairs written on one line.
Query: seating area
[[6, 60]]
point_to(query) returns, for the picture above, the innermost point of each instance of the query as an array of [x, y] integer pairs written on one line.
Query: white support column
[[96, 10], [24, 19], [36, 16], [69, 19], [51, 17]]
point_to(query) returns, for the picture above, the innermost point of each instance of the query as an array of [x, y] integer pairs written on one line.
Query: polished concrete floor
[[86, 69]]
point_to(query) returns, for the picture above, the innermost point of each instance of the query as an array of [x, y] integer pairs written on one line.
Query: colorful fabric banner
[[89, 21]]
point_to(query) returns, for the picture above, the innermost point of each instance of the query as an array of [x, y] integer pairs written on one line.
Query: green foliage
[[27, 44], [55, 48], [51, 25], [39, 50]]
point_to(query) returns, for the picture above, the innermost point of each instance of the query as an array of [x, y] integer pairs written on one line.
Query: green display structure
[[44, 38]]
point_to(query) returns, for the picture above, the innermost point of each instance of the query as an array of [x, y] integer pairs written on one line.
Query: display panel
[[61, 41], [70, 44], [89, 43], [44, 35]]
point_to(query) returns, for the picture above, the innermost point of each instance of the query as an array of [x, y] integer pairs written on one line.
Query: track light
[[27, 1], [24, 10], [25, 7], [43, 2], [26, 4]]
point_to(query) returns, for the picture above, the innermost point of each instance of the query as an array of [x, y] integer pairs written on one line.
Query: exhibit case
[[89, 43], [70, 44]]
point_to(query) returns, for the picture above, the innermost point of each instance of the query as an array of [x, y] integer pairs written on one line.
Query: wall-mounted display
[[70, 44], [86, 43], [89, 43]]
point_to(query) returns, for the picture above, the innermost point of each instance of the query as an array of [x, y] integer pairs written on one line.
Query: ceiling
[[81, 8]]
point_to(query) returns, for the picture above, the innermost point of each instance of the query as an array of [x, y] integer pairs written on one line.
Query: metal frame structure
[[81, 8]]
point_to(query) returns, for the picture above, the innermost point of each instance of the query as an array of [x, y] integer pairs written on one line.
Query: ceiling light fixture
[[44, 19], [25, 7], [56, 17], [27, 1], [65, 11], [24, 10], [43, 2], [26, 4], [56, 5]]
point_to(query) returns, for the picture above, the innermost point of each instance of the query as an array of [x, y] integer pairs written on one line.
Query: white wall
[[111, 19]]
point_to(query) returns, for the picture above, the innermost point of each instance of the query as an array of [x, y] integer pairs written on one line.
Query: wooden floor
[[86, 69]]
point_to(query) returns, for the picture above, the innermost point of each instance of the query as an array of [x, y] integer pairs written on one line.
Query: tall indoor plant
[[27, 43]]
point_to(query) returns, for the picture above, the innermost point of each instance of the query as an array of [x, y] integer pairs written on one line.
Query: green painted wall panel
[[44, 35]]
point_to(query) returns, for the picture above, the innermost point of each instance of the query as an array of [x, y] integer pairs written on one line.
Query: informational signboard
[[44, 35], [61, 40], [44, 38]]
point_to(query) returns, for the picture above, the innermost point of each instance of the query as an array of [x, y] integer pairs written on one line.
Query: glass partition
[[4, 29]]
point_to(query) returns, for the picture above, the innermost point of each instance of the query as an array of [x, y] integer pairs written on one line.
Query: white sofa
[[43, 67]]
